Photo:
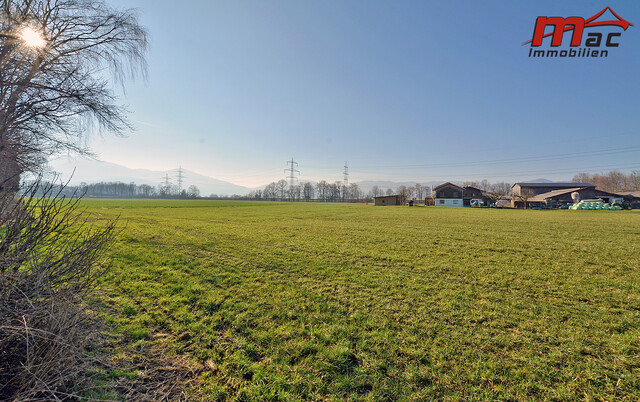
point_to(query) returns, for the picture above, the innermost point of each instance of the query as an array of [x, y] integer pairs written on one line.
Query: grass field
[[332, 301]]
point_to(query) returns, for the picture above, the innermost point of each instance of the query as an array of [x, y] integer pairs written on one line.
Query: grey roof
[[553, 184], [555, 193], [447, 184]]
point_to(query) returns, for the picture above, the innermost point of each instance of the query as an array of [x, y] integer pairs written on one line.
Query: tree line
[[339, 192], [122, 190], [321, 191], [614, 181]]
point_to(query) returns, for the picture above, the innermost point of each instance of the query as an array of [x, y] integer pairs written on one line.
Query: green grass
[[329, 301]]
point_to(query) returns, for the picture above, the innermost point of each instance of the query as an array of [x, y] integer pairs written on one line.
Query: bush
[[49, 261]]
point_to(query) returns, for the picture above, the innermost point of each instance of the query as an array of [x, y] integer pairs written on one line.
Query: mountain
[[80, 170]]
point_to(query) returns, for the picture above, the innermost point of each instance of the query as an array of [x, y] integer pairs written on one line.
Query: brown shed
[[388, 200]]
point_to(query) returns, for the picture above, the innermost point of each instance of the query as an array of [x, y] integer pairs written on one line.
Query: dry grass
[[154, 374], [49, 262]]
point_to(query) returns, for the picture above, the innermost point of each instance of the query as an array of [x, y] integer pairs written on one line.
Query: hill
[[85, 170]]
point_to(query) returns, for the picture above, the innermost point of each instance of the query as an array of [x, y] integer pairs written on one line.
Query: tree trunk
[[10, 169]]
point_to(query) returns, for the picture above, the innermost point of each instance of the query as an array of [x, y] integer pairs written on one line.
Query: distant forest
[[125, 190]]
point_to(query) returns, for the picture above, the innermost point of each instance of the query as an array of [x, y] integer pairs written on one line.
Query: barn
[[522, 193], [387, 200], [557, 198], [471, 193], [448, 195], [633, 198]]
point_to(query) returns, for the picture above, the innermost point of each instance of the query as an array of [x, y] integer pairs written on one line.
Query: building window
[[441, 201]]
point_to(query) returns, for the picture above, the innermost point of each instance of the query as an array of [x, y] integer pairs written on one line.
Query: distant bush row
[[121, 190]]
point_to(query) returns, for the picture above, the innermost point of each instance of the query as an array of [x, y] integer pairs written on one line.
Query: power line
[[180, 179], [376, 169], [531, 172], [292, 171], [346, 174], [603, 152]]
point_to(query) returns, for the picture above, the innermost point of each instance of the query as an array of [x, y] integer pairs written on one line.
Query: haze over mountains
[[80, 170], [92, 171]]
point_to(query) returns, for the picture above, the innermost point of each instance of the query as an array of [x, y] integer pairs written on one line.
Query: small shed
[[388, 200]]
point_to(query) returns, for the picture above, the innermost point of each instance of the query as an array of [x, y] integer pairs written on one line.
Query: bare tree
[[376, 191], [403, 192], [295, 192], [193, 191], [485, 185], [307, 191], [354, 192], [335, 191], [53, 86], [270, 192], [613, 181], [411, 191], [419, 192], [582, 178], [146, 191], [500, 191], [167, 190], [524, 195], [323, 189], [634, 180], [281, 189]]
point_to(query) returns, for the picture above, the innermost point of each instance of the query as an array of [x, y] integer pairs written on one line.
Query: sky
[[402, 90]]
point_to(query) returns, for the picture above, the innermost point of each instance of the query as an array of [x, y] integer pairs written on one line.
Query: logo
[[597, 43]]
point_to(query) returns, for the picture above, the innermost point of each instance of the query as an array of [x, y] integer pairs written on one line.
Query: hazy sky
[[402, 90]]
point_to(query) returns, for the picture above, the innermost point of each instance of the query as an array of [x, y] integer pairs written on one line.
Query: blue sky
[[409, 90]]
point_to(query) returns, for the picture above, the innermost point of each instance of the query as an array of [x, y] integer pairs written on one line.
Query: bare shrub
[[49, 261]]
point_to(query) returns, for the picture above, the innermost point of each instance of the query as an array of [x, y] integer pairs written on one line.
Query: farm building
[[388, 200], [633, 198], [451, 195], [473, 193], [448, 195], [570, 195], [522, 192]]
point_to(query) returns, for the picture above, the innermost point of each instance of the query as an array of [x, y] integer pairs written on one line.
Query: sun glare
[[32, 38]]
